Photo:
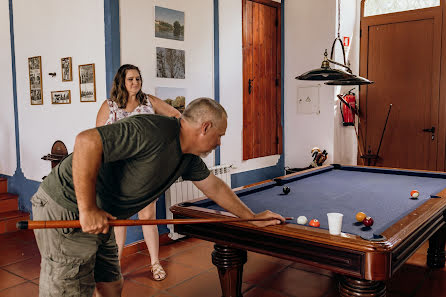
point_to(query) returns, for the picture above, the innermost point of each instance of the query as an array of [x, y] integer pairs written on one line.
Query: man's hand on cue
[[268, 214], [95, 220]]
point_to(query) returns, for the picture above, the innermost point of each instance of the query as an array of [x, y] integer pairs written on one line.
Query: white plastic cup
[[334, 223]]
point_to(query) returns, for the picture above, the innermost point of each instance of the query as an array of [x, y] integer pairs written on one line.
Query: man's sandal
[[158, 272]]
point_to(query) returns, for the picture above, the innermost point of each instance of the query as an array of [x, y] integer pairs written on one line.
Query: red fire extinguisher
[[348, 108]]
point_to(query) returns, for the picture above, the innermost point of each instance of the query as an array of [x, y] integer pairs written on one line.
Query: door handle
[[250, 85], [431, 130]]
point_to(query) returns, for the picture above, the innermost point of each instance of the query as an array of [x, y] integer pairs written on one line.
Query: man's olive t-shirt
[[142, 157]]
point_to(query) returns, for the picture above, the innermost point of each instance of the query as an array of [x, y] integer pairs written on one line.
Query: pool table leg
[[435, 253], [229, 262], [349, 287]]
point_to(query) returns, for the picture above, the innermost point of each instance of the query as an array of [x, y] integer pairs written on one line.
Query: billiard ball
[[314, 223], [302, 220], [286, 190], [368, 221], [360, 216], [414, 194]]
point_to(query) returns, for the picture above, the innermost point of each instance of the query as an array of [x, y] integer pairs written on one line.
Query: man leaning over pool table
[[115, 171]]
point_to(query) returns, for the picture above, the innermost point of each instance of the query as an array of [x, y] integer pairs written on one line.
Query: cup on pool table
[[334, 223]]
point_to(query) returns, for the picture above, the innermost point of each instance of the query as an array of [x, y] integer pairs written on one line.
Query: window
[[376, 7]]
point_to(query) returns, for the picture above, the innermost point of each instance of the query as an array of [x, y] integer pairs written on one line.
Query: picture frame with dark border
[[35, 80], [67, 69], [61, 97], [87, 83]]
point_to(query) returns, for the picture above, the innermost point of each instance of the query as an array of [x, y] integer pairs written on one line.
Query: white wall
[[7, 126], [231, 88], [54, 29], [138, 45], [310, 28]]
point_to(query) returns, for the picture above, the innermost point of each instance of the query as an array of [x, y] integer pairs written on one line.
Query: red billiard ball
[[368, 221], [314, 223]]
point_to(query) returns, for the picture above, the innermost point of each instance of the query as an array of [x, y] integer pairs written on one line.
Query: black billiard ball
[[286, 190], [368, 221]]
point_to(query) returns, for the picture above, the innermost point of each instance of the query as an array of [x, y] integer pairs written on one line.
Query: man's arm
[[217, 190], [87, 159]]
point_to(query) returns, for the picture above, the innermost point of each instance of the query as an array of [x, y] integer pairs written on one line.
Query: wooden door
[[401, 53], [262, 129]]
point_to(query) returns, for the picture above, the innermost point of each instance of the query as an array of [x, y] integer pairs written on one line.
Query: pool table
[[363, 257]]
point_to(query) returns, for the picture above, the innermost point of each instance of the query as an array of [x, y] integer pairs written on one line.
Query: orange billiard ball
[[414, 194], [314, 223], [360, 216]]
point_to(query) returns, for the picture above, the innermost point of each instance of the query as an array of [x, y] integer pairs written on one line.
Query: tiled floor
[[191, 273]]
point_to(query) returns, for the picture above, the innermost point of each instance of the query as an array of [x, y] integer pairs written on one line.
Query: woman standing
[[126, 100]]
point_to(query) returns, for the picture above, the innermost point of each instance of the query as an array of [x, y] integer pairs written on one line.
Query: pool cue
[[23, 225], [382, 135]]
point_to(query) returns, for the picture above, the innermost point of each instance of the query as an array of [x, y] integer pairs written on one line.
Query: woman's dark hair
[[119, 93]]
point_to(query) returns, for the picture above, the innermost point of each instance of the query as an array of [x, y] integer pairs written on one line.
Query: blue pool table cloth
[[383, 194]]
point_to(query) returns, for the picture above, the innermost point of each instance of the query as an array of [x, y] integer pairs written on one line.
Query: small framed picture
[[61, 97], [35, 80], [67, 70], [87, 83]]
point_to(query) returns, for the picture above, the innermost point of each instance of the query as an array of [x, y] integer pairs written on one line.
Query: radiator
[[183, 190]]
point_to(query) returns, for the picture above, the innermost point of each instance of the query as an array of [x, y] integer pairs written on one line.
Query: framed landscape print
[[87, 83], [169, 23], [35, 80], [170, 63], [61, 97], [67, 72]]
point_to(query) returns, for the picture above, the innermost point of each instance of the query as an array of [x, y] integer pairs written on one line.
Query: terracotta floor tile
[[132, 289], [163, 295], [205, 284], [23, 236], [417, 259], [199, 255], [261, 292], [133, 262], [407, 279], [260, 268], [176, 273], [27, 289], [8, 279], [28, 269], [434, 285], [300, 283], [13, 256]]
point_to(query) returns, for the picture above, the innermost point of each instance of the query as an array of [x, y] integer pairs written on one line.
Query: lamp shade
[[353, 81], [324, 74]]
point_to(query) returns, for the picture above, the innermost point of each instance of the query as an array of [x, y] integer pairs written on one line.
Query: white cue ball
[[302, 220]]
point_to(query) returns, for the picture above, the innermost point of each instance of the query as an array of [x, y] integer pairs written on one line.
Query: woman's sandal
[[158, 272]]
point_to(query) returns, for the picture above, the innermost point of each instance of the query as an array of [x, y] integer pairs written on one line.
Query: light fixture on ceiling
[[334, 76]]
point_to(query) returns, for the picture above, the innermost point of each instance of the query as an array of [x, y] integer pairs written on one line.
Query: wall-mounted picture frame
[[35, 80], [61, 97], [87, 83], [175, 97], [170, 63], [67, 69], [169, 23]]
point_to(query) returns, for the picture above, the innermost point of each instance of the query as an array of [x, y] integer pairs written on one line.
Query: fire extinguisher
[[348, 106]]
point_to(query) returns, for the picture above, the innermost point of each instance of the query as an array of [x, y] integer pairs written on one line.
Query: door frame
[[439, 72]]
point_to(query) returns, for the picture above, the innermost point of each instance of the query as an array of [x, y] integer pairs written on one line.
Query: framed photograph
[[35, 80], [67, 71], [87, 83], [169, 23], [170, 63], [175, 97], [61, 97]]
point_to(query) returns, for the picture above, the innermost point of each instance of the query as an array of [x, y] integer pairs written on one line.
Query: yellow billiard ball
[[360, 216]]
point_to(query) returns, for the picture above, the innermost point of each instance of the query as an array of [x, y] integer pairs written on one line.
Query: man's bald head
[[204, 110]]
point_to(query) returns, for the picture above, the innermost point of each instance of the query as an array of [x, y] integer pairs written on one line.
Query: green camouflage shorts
[[72, 261]]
